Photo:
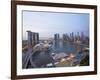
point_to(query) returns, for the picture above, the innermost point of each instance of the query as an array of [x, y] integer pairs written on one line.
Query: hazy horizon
[[49, 23]]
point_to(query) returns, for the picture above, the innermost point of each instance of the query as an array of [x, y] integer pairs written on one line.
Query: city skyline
[[49, 23]]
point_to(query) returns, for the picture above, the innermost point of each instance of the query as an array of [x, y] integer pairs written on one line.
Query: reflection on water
[[66, 47]]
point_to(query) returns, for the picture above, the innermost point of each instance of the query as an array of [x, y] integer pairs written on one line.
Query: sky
[[49, 23]]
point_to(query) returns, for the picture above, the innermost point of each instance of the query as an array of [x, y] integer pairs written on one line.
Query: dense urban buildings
[[62, 50]]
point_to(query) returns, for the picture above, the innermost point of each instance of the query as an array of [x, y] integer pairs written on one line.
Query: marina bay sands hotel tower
[[33, 39]]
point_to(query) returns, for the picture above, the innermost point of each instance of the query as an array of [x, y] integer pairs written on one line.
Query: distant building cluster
[[72, 37], [33, 38]]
